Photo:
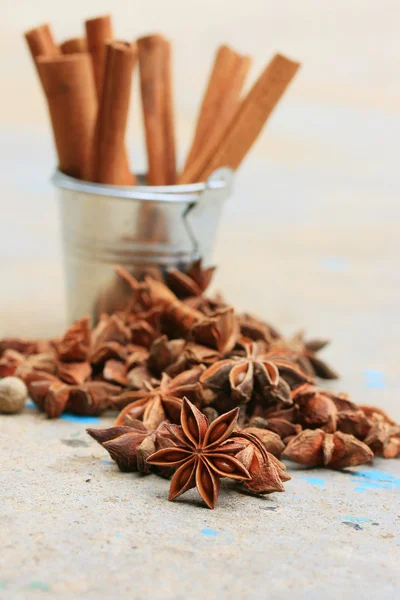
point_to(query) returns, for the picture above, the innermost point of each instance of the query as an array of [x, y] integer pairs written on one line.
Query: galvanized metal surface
[[145, 229]]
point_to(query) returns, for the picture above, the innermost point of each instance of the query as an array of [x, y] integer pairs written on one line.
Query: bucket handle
[[223, 175]]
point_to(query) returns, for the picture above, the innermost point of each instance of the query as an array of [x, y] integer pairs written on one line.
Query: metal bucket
[[145, 229]]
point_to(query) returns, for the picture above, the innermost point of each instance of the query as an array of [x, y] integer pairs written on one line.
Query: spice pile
[[202, 391], [87, 84]]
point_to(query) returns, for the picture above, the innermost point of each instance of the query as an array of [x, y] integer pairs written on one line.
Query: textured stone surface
[[73, 526]]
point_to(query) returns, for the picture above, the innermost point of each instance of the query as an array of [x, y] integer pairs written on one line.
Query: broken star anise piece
[[208, 306], [174, 356], [167, 397], [130, 446], [282, 421], [192, 283], [255, 373], [14, 363], [304, 354], [384, 439], [75, 345], [203, 454], [219, 331], [270, 440], [256, 330], [92, 397], [266, 471], [315, 447], [74, 373], [316, 408], [110, 329], [52, 397]]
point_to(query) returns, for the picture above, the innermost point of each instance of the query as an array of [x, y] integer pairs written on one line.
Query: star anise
[[50, 396], [165, 399], [384, 439], [56, 397], [25, 347], [192, 283], [93, 398], [376, 414], [174, 356], [270, 440], [255, 373], [109, 350], [315, 447], [266, 472], [145, 326], [304, 354], [110, 329], [316, 407], [74, 373], [178, 317], [131, 445], [257, 330], [75, 345], [219, 331], [14, 363], [206, 305], [282, 421], [115, 371], [203, 454]]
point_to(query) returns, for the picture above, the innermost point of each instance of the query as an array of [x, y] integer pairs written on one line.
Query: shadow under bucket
[[146, 229]]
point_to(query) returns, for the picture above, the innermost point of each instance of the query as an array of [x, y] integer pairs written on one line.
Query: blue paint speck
[[313, 480], [30, 404], [359, 520], [210, 532], [106, 462], [118, 535], [79, 418], [374, 479], [335, 263], [374, 379]]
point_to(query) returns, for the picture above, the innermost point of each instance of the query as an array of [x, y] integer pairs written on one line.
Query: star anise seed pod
[[75, 345], [304, 354], [270, 440], [192, 283], [266, 471], [219, 331], [316, 408], [167, 397], [315, 447], [128, 446], [74, 373], [253, 373], [384, 439], [256, 330], [92, 398], [203, 454]]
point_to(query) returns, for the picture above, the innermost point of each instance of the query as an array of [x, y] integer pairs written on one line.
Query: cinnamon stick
[[156, 92], [251, 115], [109, 160], [99, 32], [73, 45], [41, 42], [220, 103], [69, 87]]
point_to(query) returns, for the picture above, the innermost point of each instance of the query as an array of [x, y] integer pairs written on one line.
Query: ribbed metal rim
[[219, 180]]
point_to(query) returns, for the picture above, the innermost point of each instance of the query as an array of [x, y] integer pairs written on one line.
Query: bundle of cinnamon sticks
[[87, 83]]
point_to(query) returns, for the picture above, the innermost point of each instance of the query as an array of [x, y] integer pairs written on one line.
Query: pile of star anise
[[202, 391]]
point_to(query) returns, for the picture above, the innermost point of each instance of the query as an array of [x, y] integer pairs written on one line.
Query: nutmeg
[[13, 394]]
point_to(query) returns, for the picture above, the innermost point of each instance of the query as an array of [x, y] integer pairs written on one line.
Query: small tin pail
[[145, 229]]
